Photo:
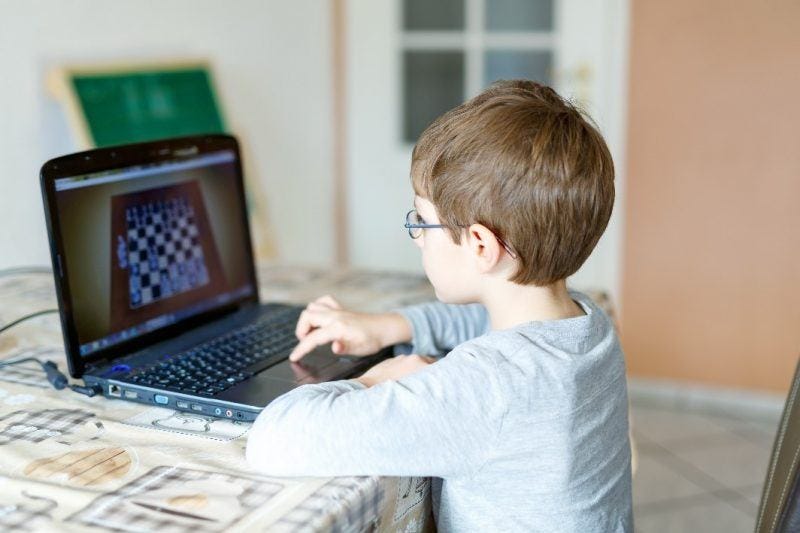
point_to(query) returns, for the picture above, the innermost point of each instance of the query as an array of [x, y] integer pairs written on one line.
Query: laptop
[[156, 282]]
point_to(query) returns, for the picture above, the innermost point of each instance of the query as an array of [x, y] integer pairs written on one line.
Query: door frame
[[603, 270]]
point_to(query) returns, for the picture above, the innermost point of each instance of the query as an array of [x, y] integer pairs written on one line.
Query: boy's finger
[[303, 325], [328, 301], [316, 306], [309, 320], [316, 338]]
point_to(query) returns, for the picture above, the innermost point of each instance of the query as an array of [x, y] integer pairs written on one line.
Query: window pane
[[514, 64], [434, 83], [433, 15], [519, 15]]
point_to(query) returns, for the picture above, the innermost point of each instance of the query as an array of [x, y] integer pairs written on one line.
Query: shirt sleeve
[[437, 327], [440, 421]]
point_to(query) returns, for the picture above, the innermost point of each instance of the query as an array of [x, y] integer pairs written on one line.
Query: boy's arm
[[438, 327], [432, 328], [440, 421]]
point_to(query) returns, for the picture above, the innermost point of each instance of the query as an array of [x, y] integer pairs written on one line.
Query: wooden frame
[[60, 86]]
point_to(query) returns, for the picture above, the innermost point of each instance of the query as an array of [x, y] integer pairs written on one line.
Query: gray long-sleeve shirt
[[524, 429]]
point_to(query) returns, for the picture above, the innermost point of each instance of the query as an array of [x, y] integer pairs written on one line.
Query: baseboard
[[696, 397]]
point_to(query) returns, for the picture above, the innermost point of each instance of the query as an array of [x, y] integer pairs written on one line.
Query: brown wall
[[711, 269]]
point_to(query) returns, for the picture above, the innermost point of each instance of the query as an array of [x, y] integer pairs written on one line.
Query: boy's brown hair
[[526, 164]]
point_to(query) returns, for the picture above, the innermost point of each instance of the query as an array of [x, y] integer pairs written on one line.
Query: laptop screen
[[151, 245]]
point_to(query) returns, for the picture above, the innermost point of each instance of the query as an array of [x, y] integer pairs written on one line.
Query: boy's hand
[[394, 368], [351, 333]]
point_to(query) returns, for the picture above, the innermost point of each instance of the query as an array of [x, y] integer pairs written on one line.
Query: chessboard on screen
[[148, 246], [163, 253]]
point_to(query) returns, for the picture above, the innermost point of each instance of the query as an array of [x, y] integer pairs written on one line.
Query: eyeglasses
[[415, 224]]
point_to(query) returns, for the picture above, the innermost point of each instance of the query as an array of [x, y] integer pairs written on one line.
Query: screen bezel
[[118, 157]]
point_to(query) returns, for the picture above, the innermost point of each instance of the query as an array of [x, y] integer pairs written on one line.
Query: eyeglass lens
[[413, 218]]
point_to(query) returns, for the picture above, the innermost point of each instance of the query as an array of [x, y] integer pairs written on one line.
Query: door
[[410, 60]]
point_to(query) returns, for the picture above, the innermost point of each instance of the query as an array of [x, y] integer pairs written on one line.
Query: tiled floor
[[698, 471]]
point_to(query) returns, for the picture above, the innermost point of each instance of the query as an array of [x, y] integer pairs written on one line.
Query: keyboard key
[[222, 362]]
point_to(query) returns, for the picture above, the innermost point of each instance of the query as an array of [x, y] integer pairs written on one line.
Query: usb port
[[196, 407], [182, 405], [132, 394]]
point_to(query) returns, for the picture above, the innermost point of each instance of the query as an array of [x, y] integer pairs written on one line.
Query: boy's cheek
[[454, 288], [444, 292]]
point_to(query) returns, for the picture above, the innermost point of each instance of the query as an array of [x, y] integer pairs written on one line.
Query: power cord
[[27, 317], [56, 378], [22, 270]]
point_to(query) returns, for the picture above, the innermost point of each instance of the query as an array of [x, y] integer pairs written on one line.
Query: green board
[[132, 106]]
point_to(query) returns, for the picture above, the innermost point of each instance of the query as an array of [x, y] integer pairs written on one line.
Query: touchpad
[[315, 367]]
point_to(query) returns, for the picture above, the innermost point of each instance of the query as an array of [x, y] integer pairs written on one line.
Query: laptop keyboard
[[216, 365]]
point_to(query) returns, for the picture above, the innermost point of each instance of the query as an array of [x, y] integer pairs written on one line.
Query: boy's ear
[[484, 247]]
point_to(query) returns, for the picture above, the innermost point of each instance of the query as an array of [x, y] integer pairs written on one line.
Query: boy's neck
[[510, 304]]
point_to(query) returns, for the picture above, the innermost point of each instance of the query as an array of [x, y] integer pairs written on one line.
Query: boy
[[524, 423]]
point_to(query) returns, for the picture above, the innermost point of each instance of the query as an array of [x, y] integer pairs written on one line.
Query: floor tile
[[708, 514], [752, 493], [699, 470], [656, 481], [663, 425], [733, 434], [729, 459], [759, 431]]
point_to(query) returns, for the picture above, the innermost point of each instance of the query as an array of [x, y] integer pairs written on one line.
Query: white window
[[453, 49]]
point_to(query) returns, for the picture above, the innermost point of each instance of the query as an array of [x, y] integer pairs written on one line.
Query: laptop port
[[182, 405], [114, 390], [196, 407], [131, 394]]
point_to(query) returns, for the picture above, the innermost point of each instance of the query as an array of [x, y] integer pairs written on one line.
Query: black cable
[[26, 317], [18, 361], [20, 270], [54, 376]]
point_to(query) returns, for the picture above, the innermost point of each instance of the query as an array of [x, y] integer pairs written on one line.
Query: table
[[73, 463]]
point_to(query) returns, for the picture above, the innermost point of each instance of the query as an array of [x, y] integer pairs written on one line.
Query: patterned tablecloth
[[73, 463]]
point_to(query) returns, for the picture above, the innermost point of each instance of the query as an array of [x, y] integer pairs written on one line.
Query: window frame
[[474, 41]]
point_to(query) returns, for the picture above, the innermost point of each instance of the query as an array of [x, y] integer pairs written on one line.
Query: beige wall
[[711, 281], [272, 72]]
